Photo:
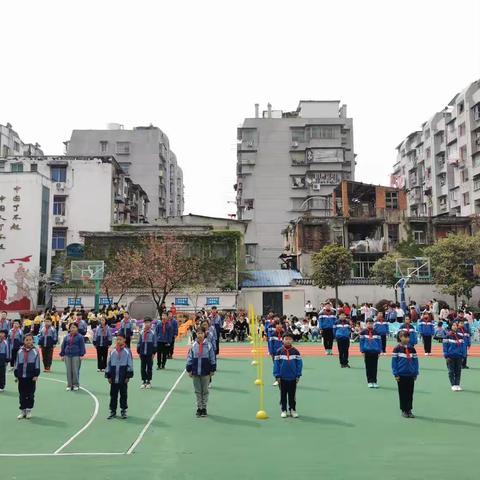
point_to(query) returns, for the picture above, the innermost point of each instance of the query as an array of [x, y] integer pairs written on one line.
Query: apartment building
[[144, 154], [11, 144], [439, 166], [287, 162]]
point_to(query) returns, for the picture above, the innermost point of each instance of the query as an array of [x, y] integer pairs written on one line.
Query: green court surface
[[345, 430]]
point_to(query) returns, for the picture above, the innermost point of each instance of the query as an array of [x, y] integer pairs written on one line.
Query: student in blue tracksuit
[[27, 371], [119, 371], [287, 369], [72, 351], [146, 348], [370, 346], [275, 341], [391, 314], [173, 321], [164, 339], [381, 328], [126, 327], [326, 320], [454, 351], [4, 358], [15, 339], [4, 323], [426, 328], [102, 339], [405, 371], [201, 366], [217, 321], [47, 339], [82, 325], [464, 329], [342, 330], [409, 328]]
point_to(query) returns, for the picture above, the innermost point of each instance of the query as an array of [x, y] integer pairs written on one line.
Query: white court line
[[73, 454], [152, 418]]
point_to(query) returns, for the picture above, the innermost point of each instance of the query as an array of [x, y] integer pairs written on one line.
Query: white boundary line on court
[[152, 418], [135, 444]]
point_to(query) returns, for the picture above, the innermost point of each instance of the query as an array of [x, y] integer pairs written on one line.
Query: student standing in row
[[15, 339], [382, 328], [405, 371], [102, 339], [287, 369], [370, 346], [72, 351], [4, 358], [47, 340], [173, 321], [146, 348], [275, 341], [464, 329], [164, 338], [4, 323], [81, 324], [426, 328], [454, 351], [217, 321], [201, 366], [408, 327], [119, 371], [327, 320], [342, 330], [126, 328], [27, 370]]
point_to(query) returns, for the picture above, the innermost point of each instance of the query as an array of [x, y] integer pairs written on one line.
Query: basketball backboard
[[87, 269], [413, 268]]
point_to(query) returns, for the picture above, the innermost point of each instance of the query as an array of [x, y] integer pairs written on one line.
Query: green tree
[[452, 260], [331, 266], [383, 271]]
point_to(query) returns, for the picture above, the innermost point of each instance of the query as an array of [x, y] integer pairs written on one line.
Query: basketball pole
[[97, 295]]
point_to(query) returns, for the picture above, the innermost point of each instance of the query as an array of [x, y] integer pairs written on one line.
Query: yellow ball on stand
[[261, 415]]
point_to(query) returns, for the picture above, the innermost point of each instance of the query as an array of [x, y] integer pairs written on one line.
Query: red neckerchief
[[200, 348], [119, 350], [287, 351], [72, 337], [408, 327], [454, 334], [370, 334], [407, 353], [14, 333], [25, 356], [279, 333], [104, 331], [145, 334], [46, 331], [164, 327]]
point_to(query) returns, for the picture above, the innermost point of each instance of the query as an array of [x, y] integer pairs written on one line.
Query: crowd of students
[[343, 325]]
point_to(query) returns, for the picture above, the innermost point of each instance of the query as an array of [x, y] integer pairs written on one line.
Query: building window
[[298, 181], [476, 111], [391, 200], [5, 151], [59, 238], [16, 146], [126, 167], [249, 135], [58, 174], [476, 182], [2, 165], [419, 237], [16, 167], [298, 134], [248, 202], [59, 205], [323, 132], [251, 252], [466, 199], [428, 152], [453, 195], [123, 148], [463, 153], [427, 134], [103, 146], [34, 167], [465, 175], [461, 107], [298, 158], [461, 130], [476, 161], [220, 250]]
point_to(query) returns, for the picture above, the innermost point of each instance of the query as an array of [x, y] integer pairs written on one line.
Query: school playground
[[345, 430]]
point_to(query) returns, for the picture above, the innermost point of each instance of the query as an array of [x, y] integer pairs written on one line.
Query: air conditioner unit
[[59, 220], [295, 145], [60, 186], [316, 186], [250, 144]]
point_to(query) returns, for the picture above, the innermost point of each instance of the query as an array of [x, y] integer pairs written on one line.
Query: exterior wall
[[11, 144], [293, 299], [24, 252], [270, 162], [149, 161]]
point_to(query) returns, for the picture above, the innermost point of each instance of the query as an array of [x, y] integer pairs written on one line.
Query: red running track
[[306, 349]]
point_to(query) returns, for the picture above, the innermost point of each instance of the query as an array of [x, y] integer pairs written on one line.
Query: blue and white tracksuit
[[201, 359], [406, 327]]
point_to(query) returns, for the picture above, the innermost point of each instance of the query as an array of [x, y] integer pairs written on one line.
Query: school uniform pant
[[427, 343], [128, 340], [146, 364], [343, 345], [288, 389], [72, 365], [454, 366], [200, 385], [26, 392], [47, 357], [384, 343], [371, 366], [13, 358], [217, 343], [116, 390], [162, 353], [102, 356], [327, 334], [172, 349], [406, 386], [3, 368]]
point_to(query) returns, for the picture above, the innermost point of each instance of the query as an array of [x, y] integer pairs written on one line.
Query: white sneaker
[[75, 389], [375, 385], [21, 416], [294, 414], [68, 389], [370, 385], [28, 415], [454, 388], [283, 414], [98, 370], [143, 385], [149, 386], [2, 390], [459, 388], [275, 383]]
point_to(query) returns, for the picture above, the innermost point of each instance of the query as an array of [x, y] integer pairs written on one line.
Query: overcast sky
[[196, 69]]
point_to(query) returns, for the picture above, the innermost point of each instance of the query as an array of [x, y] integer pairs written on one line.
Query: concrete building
[[78, 193], [286, 163], [439, 165], [145, 155], [11, 144]]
